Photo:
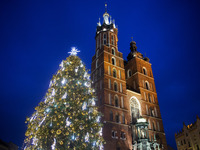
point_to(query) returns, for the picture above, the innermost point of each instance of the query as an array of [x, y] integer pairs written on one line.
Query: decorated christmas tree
[[67, 118]]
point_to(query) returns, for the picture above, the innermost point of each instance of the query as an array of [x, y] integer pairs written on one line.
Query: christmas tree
[[68, 117]]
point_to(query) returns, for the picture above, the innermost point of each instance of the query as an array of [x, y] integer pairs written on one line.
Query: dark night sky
[[35, 36]]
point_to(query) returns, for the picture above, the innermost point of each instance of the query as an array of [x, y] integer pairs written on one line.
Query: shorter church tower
[[142, 94]]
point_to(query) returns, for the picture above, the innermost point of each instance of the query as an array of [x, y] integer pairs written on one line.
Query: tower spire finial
[[106, 7]]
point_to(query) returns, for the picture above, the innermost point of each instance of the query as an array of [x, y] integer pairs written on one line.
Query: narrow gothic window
[[111, 116], [158, 126], [149, 96], [113, 51], [147, 85], [116, 101], [115, 86], [104, 39], [112, 39], [113, 61], [153, 124], [123, 118], [122, 102], [144, 70], [97, 61], [119, 74], [121, 88], [129, 73], [97, 53], [114, 73], [117, 119]]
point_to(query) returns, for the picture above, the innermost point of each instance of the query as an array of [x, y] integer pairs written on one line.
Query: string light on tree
[[68, 117]]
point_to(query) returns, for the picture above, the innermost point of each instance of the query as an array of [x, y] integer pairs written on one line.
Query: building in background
[[126, 93], [7, 146], [189, 137]]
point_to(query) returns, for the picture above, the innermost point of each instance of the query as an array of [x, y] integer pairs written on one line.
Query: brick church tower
[[125, 90]]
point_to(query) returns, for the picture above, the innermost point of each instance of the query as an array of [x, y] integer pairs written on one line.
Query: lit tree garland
[[68, 117]]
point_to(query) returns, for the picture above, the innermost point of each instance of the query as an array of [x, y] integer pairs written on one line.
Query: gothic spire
[[106, 15]]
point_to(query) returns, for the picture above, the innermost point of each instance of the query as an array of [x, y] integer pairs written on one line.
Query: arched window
[[97, 53], [113, 61], [135, 109], [115, 86], [104, 38], [147, 85], [149, 124], [153, 125], [117, 118], [111, 116], [113, 51], [144, 70], [123, 118], [149, 96], [116, 101], [129, 73], [97, 63], [114, 73]]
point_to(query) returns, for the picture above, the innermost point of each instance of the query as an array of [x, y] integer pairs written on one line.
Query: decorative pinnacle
[[74, 51], [105, 7]]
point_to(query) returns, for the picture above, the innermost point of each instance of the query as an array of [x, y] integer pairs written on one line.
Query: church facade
[[126, 93]]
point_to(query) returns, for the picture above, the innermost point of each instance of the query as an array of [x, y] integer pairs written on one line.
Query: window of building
[[114, 73], [129, 73], [135, 109], [134, 85], [113, 61], [111, 116], [100, 84], [145, 98], [97, 63], [147, 110], [188, 144], [114, 134], [119, 74], [123, 118], [113, 51], [122, 102], [153, 98], [156, 114], [117, 118], [116, 101], [147, 85], [119, 63], [153, 125], [158, 126], [149, 96], [112, 39], [144, 70], [123, 136], [115, 86], [149, 124], [104, 38], [97, 53], [121, 88]]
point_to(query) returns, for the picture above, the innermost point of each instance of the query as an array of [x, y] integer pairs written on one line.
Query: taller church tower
[[125, 91]]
